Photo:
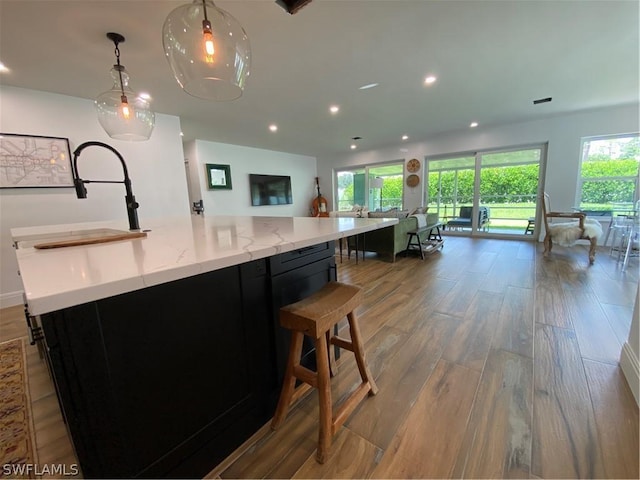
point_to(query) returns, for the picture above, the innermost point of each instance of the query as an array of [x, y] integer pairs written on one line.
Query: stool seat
[[315, 316]]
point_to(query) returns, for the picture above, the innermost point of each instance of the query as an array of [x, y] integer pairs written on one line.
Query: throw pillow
[[419, 211]]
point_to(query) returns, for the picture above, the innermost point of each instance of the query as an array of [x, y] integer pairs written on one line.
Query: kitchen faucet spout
[[81, 191]]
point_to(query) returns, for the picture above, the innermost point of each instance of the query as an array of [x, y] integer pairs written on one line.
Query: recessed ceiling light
[[273, 127], [334, 109], [473, 124], [353, 146], [368, 86], [144, 95], [181, 134], [405, 137], [3, 68], [430, 79]]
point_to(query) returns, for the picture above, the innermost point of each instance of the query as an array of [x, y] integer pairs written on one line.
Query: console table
[[432, 243]]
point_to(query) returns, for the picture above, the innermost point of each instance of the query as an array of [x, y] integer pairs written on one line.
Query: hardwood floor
[[492, 362]]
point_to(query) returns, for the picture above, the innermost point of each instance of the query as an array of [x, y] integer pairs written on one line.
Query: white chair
[[626, 242], [567, 233]]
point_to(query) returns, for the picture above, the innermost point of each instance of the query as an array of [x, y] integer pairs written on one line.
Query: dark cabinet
[[154, 379], [168, 380], [294, 276]]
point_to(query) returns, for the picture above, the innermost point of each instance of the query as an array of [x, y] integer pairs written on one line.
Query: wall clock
[[413, 180], [413, 165]]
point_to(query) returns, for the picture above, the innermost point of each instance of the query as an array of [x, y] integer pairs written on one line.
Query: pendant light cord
[[119, 68], [204, 6]]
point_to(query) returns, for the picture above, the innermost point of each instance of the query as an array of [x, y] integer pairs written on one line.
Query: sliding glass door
[[451, 185], [487, 192], [378, 187]]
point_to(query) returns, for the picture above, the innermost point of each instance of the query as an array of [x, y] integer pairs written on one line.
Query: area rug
[[17, 446]]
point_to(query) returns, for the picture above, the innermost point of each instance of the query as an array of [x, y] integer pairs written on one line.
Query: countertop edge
[[41, 303]]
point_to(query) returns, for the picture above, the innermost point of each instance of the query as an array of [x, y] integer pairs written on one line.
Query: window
[[609, 174]]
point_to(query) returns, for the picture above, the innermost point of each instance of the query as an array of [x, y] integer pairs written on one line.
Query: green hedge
[[501, 184], [520, 183]]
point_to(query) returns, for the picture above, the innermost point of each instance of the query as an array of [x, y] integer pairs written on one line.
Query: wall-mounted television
[[270, 189]]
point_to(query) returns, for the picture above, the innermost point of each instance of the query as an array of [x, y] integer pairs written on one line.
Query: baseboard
[[631, 369], [11, 299]]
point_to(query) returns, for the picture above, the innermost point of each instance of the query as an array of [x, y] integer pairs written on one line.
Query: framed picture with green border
[[218, 177]]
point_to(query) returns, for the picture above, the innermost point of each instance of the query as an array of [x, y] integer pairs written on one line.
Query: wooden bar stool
[[315, 316]]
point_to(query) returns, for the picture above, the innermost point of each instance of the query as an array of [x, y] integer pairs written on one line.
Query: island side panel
[[164, 381]]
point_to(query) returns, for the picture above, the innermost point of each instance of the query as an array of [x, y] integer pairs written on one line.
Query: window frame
[[634, 179]]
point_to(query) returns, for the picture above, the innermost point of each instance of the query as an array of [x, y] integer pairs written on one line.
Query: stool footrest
[[306, 375], [300, 392], [345, 409], [342, 343]]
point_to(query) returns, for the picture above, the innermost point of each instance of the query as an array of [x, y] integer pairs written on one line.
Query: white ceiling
[[492, 59]]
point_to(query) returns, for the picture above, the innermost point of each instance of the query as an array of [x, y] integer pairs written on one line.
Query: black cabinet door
[[168, 380], [288, 288]]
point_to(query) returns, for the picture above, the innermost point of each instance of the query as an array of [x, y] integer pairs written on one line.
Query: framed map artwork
[[29, 161]]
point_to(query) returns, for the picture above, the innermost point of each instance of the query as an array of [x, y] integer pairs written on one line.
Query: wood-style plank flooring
[[492, 362]]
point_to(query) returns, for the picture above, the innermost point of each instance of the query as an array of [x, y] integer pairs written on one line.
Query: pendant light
[[208, 51], [123, 114]]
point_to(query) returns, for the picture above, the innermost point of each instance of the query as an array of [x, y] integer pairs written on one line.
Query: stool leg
[[324, 399], [333, 367], [358, 351], [289, 381]]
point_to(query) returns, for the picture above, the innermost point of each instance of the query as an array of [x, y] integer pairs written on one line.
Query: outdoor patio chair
[[464, 220]]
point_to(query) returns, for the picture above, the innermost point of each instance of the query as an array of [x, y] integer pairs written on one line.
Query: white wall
[[243, 161], [563, 133], [630, 355], [156, 169]]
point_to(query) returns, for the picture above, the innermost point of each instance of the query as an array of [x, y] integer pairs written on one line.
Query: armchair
[[567, 233]]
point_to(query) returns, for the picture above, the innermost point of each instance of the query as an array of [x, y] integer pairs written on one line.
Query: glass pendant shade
[[208, 51], [123, 114]]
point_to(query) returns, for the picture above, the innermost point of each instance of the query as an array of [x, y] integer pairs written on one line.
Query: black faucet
[[81, 191]]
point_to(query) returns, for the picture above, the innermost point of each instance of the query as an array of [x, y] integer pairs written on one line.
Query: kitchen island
[[165, 351]]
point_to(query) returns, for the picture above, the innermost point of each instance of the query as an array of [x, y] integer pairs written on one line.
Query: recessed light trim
[[405, 137], [430, 79], [273, 127], [473, 124], [334, 109], [353, 146], [368, 86]]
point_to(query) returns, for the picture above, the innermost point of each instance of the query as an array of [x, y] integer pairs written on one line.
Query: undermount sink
[[71, 238]]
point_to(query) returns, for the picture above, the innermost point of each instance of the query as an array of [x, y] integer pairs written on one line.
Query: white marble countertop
[[174, 248]]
